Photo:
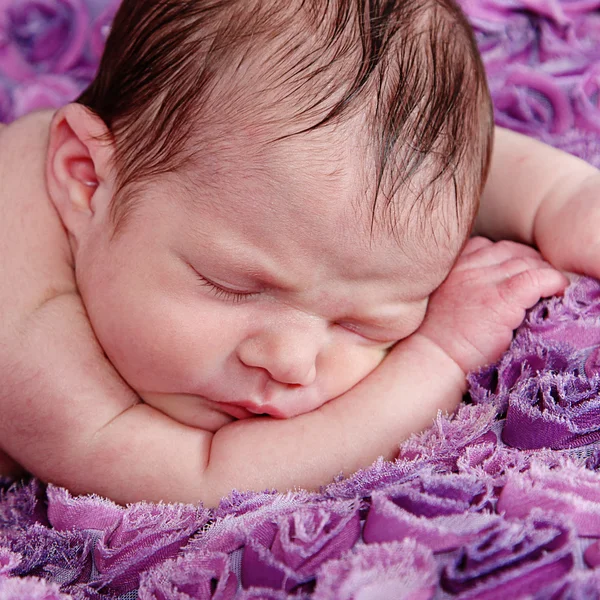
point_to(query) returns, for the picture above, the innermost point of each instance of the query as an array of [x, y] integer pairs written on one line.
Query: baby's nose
[[301, 372], [289, 355]]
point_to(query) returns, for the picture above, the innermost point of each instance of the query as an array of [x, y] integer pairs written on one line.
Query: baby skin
[[226, 344]]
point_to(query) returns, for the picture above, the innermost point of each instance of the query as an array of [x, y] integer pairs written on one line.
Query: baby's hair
[[178, 76]]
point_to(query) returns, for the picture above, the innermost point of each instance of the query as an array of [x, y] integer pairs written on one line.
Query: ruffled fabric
[[501, 499]]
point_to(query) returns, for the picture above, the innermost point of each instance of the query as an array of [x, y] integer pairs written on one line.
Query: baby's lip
[[246, 406], [277, 400], [271, 409], [249, 407], [238, 411]]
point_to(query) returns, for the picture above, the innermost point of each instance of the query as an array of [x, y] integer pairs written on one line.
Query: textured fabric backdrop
[[500, 500]]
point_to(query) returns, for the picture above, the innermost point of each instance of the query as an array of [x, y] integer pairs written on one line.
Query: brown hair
[[171, 67]]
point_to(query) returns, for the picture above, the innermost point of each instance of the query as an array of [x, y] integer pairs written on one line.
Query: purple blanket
[[500, 500]]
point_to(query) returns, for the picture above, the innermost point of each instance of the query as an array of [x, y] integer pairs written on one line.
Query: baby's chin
[[202, 413], [195, 411]]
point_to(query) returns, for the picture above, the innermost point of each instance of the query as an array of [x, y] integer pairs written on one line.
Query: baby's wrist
[[443, 364]]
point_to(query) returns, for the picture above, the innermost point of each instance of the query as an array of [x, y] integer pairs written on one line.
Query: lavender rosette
[[126, 541], [195, 576], [442, 512], [283, 549], [518, 558], [495, 519], [31, 588], [288, 552], [401, 570], [569, 490], [49, 51], [46, 36], [548, 384]]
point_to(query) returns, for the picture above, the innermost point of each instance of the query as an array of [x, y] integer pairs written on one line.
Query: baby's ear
[[78, 164]]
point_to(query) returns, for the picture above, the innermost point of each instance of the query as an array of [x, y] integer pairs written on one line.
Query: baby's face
[[273, 303]]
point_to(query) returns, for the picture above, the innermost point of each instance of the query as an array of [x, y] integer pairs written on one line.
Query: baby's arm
[[469, 323], [544, 197], [67, 416], [89, 433]]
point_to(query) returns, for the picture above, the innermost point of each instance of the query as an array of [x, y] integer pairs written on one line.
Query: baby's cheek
[[346, 369]]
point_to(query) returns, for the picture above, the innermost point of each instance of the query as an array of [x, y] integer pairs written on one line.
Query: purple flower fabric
[[553, 411], [519, 558], [400, 570], [501, 499], [442, 512], [127, 541], [195, 576], [30, 588], [49, 51], [571, 490], [288, 552], [41, 36], [45, 91], [9, 561]]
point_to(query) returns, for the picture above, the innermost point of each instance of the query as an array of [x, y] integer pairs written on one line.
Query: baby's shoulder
[[35, 253], [23, 146]]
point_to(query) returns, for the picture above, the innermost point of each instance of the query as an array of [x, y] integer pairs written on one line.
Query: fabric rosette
[[60, 556], [101, 28], [530, 101], [442, 445], [194, 576], [501, 38], [558, 54], [22, 505], [287, 552], [146, 535], [581, 301], [490, 460], [578, 585], [400, 570], [585, 32], [441, 512], [527, 358], [127, 540], [585, 98], [569, 489], [266, 594], [9, 561], [240, 514], [515, 558], [558, 411], [30, 588], [502, 10], [552, 11], [45, 91], [41, 36]]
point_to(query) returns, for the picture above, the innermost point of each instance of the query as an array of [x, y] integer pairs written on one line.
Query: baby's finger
[[513, 266], [527, 287], [497, 253], [476, 243]]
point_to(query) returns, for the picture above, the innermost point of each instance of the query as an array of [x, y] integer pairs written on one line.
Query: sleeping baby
[[242, 259]]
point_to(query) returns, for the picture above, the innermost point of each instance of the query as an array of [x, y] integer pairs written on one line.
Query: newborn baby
[[211, 281]]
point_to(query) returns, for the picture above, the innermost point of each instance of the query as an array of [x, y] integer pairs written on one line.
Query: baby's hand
[[472, 315]]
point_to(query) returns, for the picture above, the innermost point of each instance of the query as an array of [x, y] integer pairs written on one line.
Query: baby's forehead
[[326, 179], [328, 208]]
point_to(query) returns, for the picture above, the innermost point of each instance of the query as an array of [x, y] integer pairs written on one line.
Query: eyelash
[[369, 339], [236, 297], [225, 294]]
